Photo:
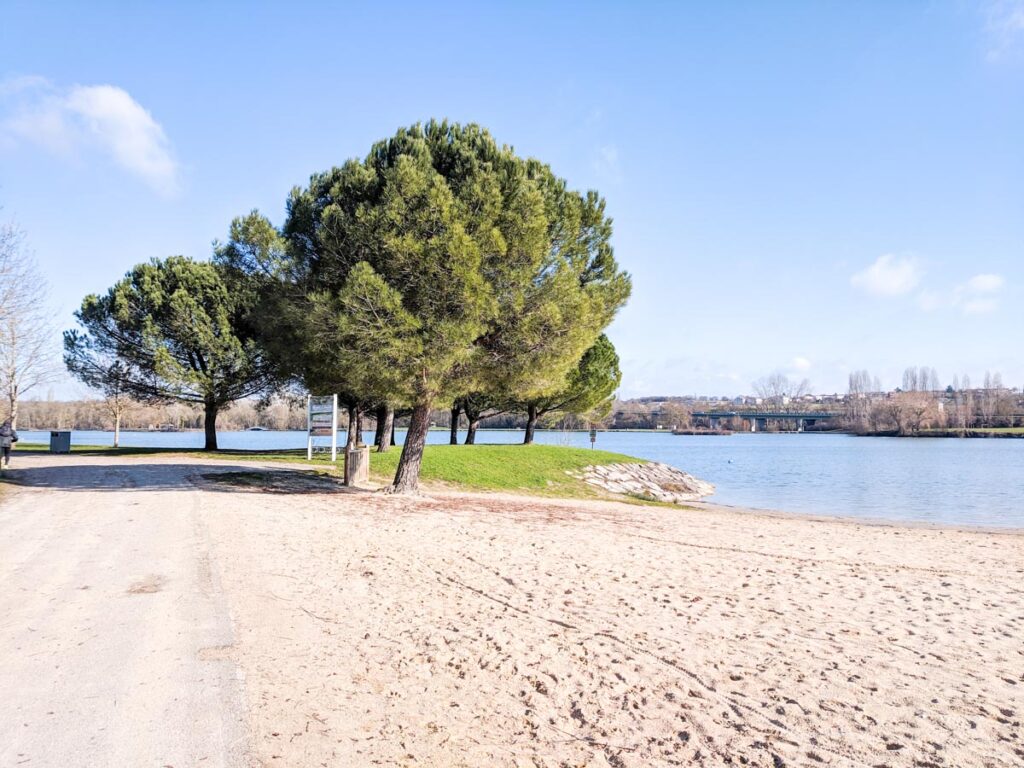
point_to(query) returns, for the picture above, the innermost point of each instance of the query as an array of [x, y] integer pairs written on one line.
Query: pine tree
[[176, 331]]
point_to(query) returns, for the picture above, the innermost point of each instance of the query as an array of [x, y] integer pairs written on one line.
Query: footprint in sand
[[147, 586]]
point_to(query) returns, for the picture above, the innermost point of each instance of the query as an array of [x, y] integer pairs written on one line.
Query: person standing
[[8, 437]]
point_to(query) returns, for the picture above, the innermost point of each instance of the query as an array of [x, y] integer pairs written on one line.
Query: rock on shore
[[653, 480]]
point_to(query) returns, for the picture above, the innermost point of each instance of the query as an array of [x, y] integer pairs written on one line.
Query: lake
[[935, 480]]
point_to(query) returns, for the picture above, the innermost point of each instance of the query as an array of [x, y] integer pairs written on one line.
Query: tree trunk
[[394, 440], [210, 426], [386, 428], [14, 406], [471, 432], [117, 430], [531, 424], [353, 424], [408, 475], [378, 421], [454, 438], [359, 426]]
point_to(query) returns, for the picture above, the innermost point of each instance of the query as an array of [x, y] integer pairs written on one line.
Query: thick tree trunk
[[471, 431], [378, 428], [408, 475], [394, 440], [359, 426], [453, 439], [210, 426], [385, 428], [531, 424], [378, 425], [353, 425]]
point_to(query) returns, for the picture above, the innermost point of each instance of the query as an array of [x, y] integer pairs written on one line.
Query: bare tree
[[906, 413], [991, 395], [859, 402], [910, 380], [26, 335], [110, 377], [777, 388], [677, 415]]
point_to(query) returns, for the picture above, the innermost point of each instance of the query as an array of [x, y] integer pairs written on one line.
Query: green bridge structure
[[755, 421]]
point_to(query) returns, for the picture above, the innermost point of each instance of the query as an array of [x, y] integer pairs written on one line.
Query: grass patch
[[535, 469]]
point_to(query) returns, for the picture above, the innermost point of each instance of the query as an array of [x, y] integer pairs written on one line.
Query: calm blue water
[[968, 482]]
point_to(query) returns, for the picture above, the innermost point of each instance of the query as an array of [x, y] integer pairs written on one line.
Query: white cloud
[[801, 364], [67, 121], [890, 275], [1005, 28], [977, 296], [986, 283]]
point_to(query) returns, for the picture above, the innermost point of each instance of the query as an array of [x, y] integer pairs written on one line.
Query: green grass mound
[[537, 469]]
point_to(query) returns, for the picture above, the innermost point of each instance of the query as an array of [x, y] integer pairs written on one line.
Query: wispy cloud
[[987, 283], [69, 121], [890, 275], [980, 295], [606, 163], [801, 364], [1005, 28]]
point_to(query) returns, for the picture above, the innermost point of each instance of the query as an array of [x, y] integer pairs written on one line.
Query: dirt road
[[110, 621]]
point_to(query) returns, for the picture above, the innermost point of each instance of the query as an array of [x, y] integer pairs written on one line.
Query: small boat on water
[[257, 429]]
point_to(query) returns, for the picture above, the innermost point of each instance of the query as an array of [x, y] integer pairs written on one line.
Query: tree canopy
[[171, 330], [440, 265], [589, 388]]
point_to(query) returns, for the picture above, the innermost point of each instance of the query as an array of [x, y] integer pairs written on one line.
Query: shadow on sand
[[217, 477]]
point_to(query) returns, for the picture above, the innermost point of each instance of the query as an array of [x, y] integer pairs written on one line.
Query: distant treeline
[[281, 414], [903, 413], [911, 413]]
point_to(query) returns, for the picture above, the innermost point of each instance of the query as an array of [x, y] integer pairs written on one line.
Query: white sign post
[[322, 420]]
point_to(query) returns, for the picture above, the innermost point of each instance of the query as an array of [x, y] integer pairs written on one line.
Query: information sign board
[[322, 421]]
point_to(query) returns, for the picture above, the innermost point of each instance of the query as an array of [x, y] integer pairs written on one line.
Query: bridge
[[758, 420]]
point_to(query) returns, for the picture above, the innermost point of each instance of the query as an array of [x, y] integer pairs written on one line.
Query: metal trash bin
[[60, 442]]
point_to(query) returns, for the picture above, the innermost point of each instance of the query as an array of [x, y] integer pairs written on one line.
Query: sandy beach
[[486, 630]]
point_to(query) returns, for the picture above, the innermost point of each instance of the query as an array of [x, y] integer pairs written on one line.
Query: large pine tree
[[441, 264]]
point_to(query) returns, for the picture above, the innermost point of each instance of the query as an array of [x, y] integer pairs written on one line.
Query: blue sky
[[806, 187]]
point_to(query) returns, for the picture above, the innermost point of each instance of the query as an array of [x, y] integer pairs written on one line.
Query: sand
[[357, 629], [473, 630]]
